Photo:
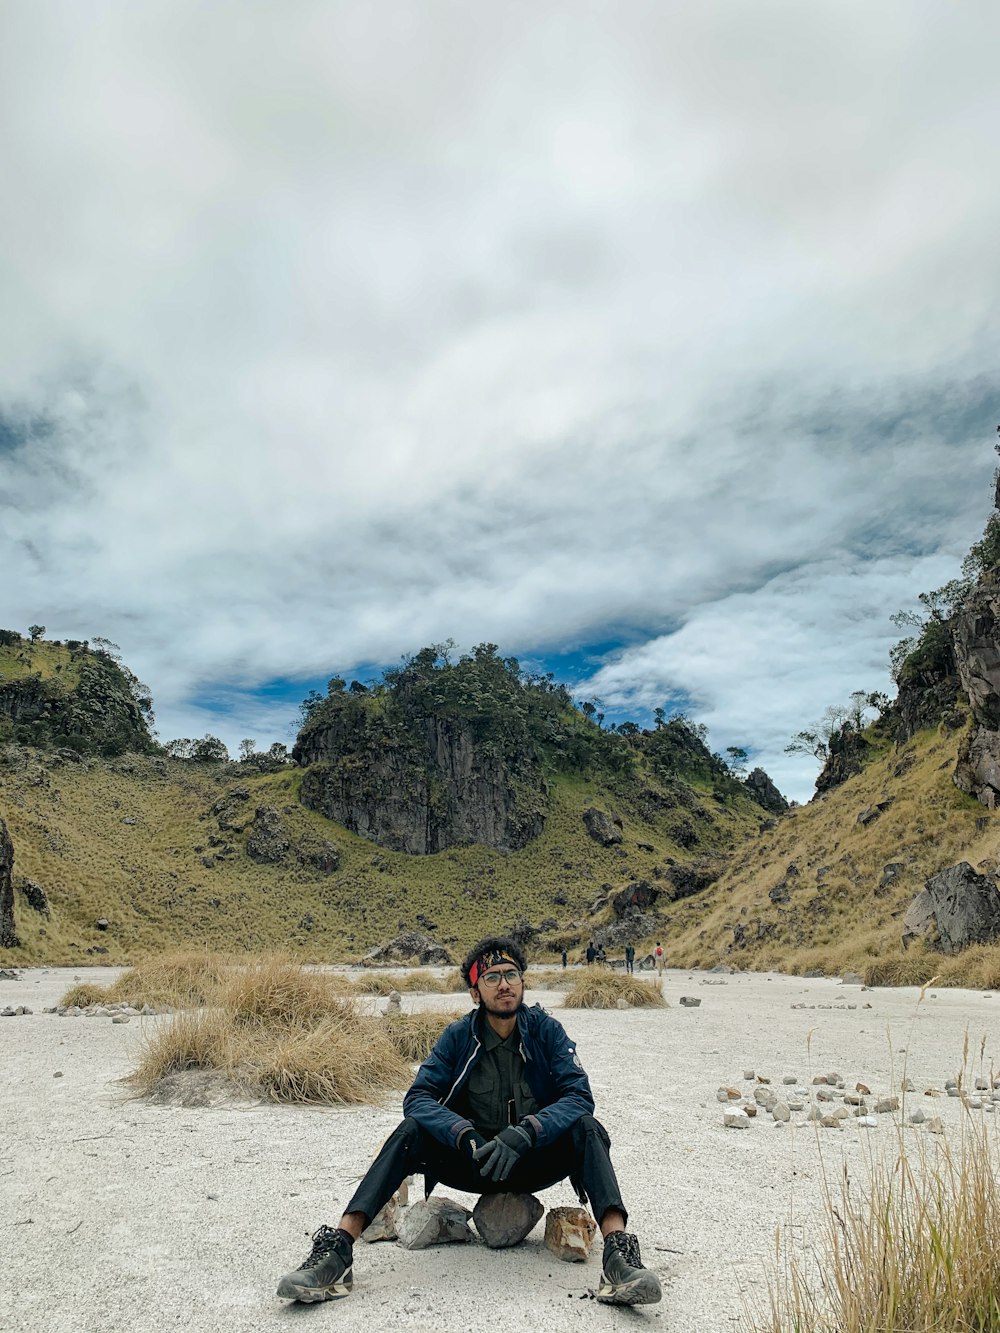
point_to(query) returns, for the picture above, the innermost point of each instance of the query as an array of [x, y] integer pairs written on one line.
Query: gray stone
[[956, 908], [884, 1104], [690, 1001], [852, 979], [119, 1018], [780, 1111], [505, 1219], [433, 1222], [736, 1119], [569, 1233], [917, 1117], [383, 1224], [8, 935]]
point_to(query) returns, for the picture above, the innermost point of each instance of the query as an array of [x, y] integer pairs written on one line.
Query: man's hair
[[493, 944]]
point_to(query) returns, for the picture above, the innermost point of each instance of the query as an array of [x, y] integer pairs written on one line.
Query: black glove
[[470, 1140], [504, 1151]]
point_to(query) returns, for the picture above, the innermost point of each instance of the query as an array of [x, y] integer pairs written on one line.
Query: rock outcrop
[[761, 789], [848, 751], [8, 935], [955, 908], [601, 827], [976, 629], [422, 794], [407, 947]]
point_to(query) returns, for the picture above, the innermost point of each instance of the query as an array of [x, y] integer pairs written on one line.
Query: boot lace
[[627, 1246], [324, 1242]]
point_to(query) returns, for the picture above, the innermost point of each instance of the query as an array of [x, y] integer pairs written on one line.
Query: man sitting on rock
[[501, 1105]]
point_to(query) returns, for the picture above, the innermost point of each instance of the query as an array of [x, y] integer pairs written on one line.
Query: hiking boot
[[624, 1281], [327, 1273]]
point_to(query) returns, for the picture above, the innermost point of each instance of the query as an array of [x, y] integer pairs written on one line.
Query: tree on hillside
[[36, 632], [737, 762], [815, 740], [248, 748]]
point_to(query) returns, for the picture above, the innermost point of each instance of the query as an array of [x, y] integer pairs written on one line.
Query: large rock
[[761, 789], [35, 896], [976, 640], [8, 935], [406, 948], [433, 1222], [267, 842], [639, 894], [956, 908], [601, 827], [505, 1219], [569, 1233], [977, 770], [691, 877], [846, 755]]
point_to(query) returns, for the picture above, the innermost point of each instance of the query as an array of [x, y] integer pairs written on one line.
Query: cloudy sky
[[656, 343]]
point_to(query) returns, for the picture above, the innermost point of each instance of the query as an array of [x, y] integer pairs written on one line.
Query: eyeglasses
[[510, 975]]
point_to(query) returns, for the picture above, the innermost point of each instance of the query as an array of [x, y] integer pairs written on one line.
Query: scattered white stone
[[736, 1119], [867, 1121]]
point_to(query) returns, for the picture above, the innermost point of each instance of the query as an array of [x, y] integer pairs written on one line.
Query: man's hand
[[470, 1141], [503, 1152]]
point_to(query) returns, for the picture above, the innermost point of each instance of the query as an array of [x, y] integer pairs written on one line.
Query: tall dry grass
[[181, 979], [278, 1030], [599, 989], [419, 981], [911, 1250]]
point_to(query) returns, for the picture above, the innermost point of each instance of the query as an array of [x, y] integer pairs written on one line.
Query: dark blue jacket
[[551, 1065]]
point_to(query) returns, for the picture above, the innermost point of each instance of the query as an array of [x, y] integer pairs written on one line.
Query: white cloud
[[353, 330]]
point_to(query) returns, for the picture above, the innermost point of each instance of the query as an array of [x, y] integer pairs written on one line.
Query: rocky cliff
[[97, 706], [424, 792], [8, 935]]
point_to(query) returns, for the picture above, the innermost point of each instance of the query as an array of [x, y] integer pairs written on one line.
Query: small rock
[[982, 1084], [831, 1122], [907, 1085], [917, 1117], [569, 1233], [690, 1001], [789, 1080], [505, 1219], [750, 1109], [58, 1074], [119, 1018], [736, 1119], [383, 1224], [749, 1075], [433, 1222], [781, 1111], [883, 1104], [935, 1125], [867, 1121]]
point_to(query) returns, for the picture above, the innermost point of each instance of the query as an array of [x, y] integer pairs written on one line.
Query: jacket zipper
[[475, 1051]]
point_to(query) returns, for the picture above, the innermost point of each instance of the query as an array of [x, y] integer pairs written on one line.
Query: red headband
[[486, 960]]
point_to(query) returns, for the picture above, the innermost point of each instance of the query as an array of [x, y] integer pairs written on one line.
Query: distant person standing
[[591, 953], [660, 960], [564, 958], [629, 957]]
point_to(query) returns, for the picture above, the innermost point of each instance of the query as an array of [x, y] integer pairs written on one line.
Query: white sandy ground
[[118, 1215]]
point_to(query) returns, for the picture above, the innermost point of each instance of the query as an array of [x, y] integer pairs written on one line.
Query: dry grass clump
[[599, 989], [272, 992], [280, 1031], [420, 981], [184, 979], [84, 993], [913, 1251], [551, 978], [413, 1035], [345, 1060]]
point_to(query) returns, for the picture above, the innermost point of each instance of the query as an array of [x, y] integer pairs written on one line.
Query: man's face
[[500, 990]]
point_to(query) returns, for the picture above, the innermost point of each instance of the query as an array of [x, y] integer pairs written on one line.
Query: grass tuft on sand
[[912, 1250], [181, 979], [599, 989], [278, 1030]]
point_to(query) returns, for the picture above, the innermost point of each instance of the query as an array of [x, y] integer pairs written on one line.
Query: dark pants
[[629, 965], [582, 1153]]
